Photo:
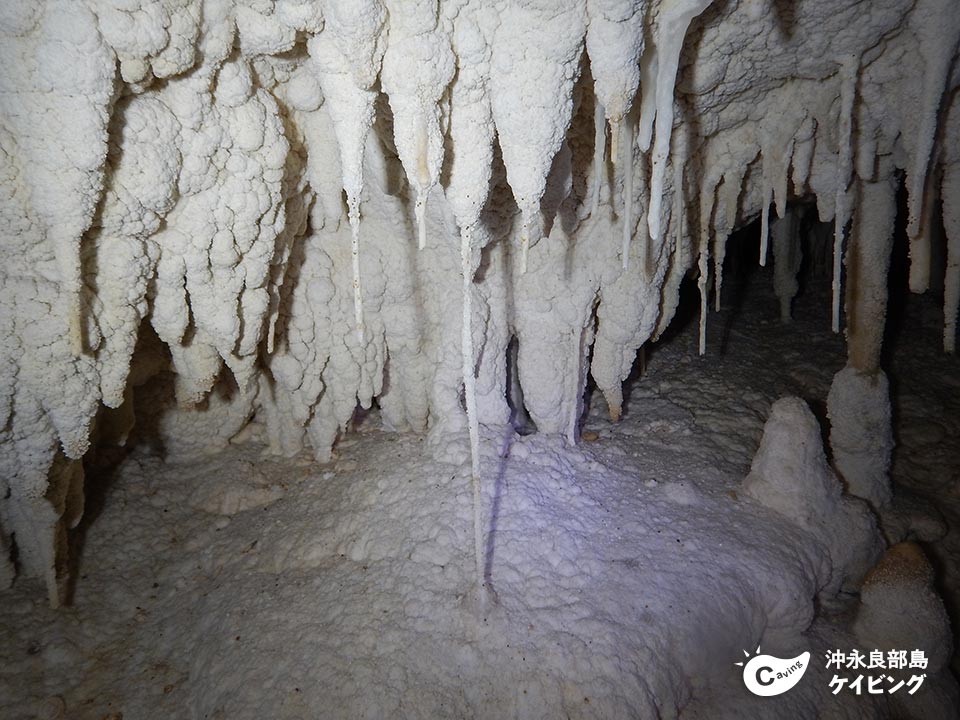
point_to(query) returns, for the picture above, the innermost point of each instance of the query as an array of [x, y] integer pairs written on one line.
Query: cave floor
[[629, 573]]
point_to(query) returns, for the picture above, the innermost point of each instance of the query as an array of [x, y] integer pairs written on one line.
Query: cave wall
[[290, 207]]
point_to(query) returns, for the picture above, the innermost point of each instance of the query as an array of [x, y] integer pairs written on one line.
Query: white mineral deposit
[[479, 359]]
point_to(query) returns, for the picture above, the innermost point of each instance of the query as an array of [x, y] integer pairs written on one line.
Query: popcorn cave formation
[[476, 358]]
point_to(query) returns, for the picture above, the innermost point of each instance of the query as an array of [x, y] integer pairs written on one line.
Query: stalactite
[[765, 225], [939, 35], [803, 148], [868, 265], [467, 191], [356, 26], [777, 142], [849, 68], [532, 118], [524, 242], [707, 204], [920, 243], [725, 214], [642, 227], [354, 215], [678, 213], [649, 68], [348, 62], [787, 256], [585, 340], [951, 282], [599, 150], [418, 66], [423, 184], [781, 174], [626, 130], [352, 110], [470, 393], [615, 42], [674, 21]]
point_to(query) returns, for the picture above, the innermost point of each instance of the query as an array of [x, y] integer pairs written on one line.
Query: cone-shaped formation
[[900, 608], [790, 474]]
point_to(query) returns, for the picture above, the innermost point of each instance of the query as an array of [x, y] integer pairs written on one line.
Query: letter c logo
[[765, 675], [760, 671]]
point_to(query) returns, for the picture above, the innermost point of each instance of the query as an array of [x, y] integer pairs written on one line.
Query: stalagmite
[[790, 475], [849, 67], [899, 606], [858, 404]]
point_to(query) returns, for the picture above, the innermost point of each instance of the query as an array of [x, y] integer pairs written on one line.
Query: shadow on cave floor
[[102, 470]]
